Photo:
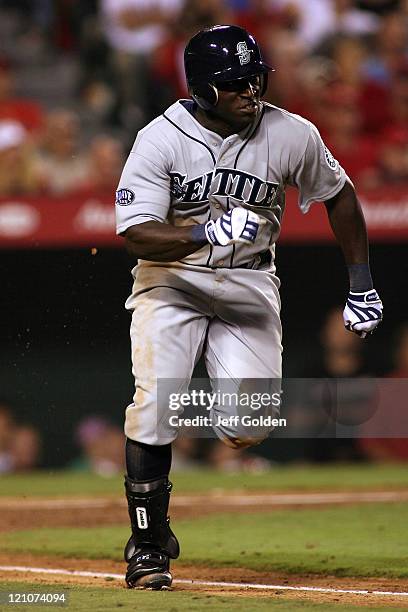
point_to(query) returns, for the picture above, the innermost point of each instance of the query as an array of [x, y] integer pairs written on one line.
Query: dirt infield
[[20, 513], [108, 511]]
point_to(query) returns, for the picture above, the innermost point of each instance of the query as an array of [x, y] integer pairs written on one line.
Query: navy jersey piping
[[214, 162], [191, 137], [235, 167], [211, 246], [249, 138]]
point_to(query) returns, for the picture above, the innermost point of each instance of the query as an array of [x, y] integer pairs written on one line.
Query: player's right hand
[[236, 225], [363, 312]]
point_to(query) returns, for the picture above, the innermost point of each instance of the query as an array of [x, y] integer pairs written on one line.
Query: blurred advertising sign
[[89, 220], [385, 212]]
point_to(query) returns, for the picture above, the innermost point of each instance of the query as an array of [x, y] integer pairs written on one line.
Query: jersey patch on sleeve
[[331, 161], [124, 197]]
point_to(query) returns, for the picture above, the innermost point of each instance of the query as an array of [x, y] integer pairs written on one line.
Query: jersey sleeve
[[317, 175], [143, 193]]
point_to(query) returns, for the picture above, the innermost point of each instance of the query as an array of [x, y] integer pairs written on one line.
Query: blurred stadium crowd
[[78, 79]]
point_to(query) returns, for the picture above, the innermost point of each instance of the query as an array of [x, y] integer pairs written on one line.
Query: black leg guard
[[152, 543]]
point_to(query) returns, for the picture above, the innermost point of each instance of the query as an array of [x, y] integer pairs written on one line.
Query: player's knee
[[141, 426], [239, 443]]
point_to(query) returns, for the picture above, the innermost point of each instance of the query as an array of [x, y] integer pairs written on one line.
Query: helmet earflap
[[205, 95], [264, 83]]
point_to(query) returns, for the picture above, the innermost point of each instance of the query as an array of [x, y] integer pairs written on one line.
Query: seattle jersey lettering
[[233, 183]]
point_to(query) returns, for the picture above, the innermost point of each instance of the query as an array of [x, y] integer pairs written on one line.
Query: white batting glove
[[363, 312], [236, 225]]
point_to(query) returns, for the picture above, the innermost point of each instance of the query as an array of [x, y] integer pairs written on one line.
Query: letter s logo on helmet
[[211, 57], [243, 53]]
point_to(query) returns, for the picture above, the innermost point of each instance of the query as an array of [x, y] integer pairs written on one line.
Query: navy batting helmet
[[218, 54]]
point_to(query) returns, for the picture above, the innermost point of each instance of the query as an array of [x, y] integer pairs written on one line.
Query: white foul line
[[227, 499], [288, 499], [235, 585]]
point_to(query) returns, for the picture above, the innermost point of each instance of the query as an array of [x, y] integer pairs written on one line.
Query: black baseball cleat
[[152, 543], [149, 569]]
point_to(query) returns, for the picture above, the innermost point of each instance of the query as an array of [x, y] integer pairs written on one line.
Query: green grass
[[279, 478], [83, 599], [365, 540], [359, 540]]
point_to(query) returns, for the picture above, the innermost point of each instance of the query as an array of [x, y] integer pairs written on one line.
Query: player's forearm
[[348, 225], [157, 241]]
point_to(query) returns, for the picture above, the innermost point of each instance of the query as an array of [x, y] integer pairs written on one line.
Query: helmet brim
[[231, 73]]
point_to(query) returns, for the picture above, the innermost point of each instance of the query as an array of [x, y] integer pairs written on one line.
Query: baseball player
[[200, 205]]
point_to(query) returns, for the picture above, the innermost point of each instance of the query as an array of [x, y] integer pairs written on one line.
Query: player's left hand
[[363, 312]]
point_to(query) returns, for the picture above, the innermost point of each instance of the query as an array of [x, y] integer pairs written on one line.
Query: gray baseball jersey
[[220, 300], [181, 173]]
